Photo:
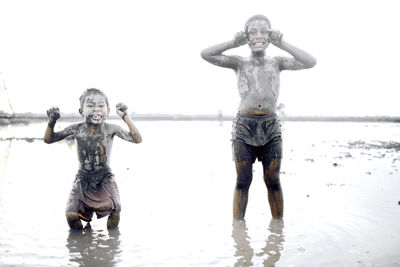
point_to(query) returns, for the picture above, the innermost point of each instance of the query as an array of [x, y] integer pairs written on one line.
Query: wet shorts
[[256, 136], [92, 192]]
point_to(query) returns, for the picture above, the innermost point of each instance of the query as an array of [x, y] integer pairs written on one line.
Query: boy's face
[[257, 34], [95, 109]]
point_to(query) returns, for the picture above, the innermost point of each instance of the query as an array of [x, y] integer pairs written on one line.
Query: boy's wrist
[[51, 123], [281, 44], [236, 43]]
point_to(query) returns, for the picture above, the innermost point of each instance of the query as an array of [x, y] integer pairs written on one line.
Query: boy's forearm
[[48, 135], [303, 57], [218, 49], [134, 132]]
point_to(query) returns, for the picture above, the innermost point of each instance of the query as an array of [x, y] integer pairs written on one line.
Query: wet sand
[[341, 184]]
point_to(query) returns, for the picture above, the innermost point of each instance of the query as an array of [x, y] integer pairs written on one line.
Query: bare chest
[[259, 80], [92, 142]]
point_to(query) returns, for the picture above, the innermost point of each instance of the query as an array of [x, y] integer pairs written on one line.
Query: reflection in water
[[244, 252], [93, 248], [274, 244]]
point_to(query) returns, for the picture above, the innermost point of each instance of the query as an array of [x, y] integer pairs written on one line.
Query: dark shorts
[[256, 136], [94, 192]]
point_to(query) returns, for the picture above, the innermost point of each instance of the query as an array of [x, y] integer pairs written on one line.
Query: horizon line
[[6, 118]]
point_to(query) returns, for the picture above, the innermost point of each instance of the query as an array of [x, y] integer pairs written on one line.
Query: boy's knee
[[113, 219], [243, 182], [273, 183], [71, 215], [73, 220], [244, 175]]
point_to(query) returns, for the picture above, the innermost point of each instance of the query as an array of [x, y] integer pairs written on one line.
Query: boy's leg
[[76, 211], [112, 189], [244, 171], [113, 219], [271, 178], [73, 220]]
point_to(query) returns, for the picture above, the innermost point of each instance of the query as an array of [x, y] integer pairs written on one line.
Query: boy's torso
[[94, 146], [258, 84]]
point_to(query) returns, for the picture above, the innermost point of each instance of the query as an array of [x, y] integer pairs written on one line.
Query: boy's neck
[[258, 54], [93, 127]]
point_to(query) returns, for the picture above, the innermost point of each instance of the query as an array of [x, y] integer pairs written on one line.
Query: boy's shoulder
[[237, 58], [75, 126], [110, 126], [281, 59]]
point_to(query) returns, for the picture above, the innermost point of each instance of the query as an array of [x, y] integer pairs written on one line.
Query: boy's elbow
[[136, 139], [312, 62], [204, 55]]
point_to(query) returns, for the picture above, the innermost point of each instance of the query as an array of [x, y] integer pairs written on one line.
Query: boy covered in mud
[[94, 189], [256, 130]]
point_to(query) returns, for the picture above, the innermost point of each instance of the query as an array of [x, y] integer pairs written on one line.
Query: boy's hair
[[92, 91], [256, 17]]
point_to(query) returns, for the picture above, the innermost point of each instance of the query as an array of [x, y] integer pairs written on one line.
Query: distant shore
[[31, 117]]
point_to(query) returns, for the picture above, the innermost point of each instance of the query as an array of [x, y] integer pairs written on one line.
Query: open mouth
[[96, 117], [258, 44]]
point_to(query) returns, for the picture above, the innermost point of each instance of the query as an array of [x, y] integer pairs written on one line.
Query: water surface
[[341, 185]]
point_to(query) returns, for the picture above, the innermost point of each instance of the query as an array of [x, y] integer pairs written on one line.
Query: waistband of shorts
[[253, 116], [94, 173]]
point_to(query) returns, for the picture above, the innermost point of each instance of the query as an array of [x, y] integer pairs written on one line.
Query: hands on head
[[240, 39], [274, 37]]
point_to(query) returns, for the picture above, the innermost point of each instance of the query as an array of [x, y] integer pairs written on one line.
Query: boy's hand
[[239, 39], [122, 110], [275, 37], [53, 114]]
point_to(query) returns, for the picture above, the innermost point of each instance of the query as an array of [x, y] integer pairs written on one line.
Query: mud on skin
[[258, 82], [94, 143]]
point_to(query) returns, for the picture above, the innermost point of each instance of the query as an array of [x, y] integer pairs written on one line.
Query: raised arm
[[301, 60], [133, 135], [214, 54], [50, 136]]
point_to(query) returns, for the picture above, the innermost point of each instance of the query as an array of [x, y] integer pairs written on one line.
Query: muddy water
[[341, 185]]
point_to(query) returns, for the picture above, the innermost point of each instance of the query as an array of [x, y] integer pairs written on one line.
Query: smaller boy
[[94, 189]]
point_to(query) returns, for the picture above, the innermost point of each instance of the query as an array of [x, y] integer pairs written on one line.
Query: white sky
[[147, 54]]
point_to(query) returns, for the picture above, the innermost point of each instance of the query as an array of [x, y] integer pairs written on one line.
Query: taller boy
[[94, 189], [256, 129]]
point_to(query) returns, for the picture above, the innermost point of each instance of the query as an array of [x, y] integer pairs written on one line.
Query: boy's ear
[[80, 111], [108, 110]]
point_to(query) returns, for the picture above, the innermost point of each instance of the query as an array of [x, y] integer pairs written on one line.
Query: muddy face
[[257, 35], [95, 109]]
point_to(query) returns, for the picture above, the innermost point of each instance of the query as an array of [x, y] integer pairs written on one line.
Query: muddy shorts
[[256, 136], [92, 192]]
